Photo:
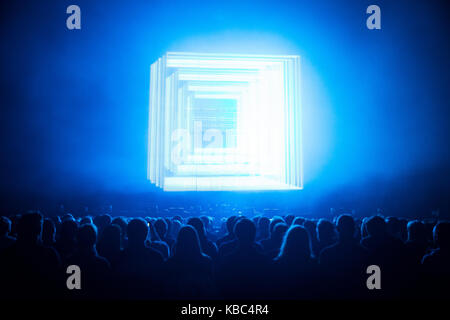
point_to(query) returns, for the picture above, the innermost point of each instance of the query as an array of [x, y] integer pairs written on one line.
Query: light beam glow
[[225, 122]]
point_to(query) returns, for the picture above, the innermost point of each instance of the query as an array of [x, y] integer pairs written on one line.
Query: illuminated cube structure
[[225, 122]]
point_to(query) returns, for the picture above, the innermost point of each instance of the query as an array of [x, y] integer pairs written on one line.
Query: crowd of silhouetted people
[[234, 257]]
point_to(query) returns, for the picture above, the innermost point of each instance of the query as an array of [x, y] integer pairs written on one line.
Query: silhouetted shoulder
[[156, 255]]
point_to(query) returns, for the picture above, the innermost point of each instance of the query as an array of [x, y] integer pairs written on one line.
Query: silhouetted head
[[245, 231], [364, 227], [176, 226], [289, 219], [29, 228], [345, 225], [110, 239], [69, 229], [122, 224], [375, 226], [198, 226], [263, 226], [231, 221], [161, 227], [48, 231], [298, 221], [310, 225], [187, 244], [67, 216], [279, 230], [102, 221], [325, 231], [296, 244], [137, 231], [178, 218], [416, 231], [169, 225], [274, 222], [5, 226], [441, 235], [87, 236], [206, 222], [85, 220], [393, 226]]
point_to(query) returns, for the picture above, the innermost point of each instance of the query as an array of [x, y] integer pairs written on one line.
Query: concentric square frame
[[267, 153]]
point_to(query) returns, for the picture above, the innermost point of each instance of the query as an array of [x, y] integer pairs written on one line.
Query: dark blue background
[[74, 104]]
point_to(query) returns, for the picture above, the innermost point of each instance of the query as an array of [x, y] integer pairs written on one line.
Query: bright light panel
[[225, 122]]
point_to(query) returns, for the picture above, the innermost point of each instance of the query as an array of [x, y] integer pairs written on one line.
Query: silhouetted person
[[48, 233], [262, 231], [326, 235], [417, 243], [393, 227], [169, 223], [122, 223], [67, 216], [344, 263], [208, 247], [272, 245], [65, 245], [416, 247], [295, 270], [298, 221], [86, 220], [310, 226], [230, 231], [153, 241], [243, 273], [289, 219], [275, 220], [436, 265], [161, 229], [5, 239], [101, 222], [140, 267], [229, 246], [95, 269], [109, 244], [189, 270], [209, 231], [29, 269], [178, 218], [388, 253]]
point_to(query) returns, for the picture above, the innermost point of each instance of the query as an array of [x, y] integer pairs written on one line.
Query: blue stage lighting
[[225, 122]]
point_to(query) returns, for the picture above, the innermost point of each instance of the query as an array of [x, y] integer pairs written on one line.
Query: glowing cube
[[225, 122]]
